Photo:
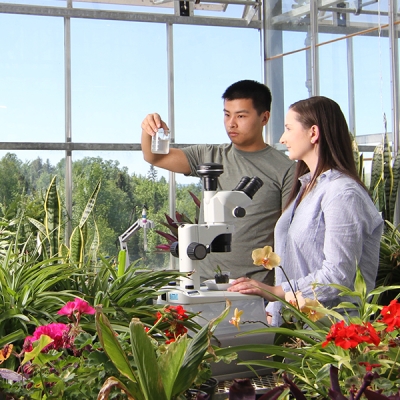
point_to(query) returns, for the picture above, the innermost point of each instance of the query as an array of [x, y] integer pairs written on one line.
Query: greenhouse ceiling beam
[[77, 146], [337, 30], [126, 16], [300, 11]]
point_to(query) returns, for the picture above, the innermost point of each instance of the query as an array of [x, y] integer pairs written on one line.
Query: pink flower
[[57, 331], [78, 306]]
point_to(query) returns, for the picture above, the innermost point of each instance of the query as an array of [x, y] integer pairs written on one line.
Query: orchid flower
[[265, 257]]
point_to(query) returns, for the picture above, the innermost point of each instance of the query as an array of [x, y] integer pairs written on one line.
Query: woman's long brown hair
[[335, 147]]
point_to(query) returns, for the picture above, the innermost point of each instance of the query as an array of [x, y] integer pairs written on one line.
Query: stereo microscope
[[196, 241]]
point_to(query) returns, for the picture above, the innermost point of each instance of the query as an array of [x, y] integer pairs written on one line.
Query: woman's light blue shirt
[[321, 239]]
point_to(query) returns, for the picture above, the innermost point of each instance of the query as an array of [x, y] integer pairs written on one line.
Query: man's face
[[243, 125]]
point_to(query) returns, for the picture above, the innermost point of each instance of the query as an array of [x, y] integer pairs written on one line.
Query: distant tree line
[[119, 203]]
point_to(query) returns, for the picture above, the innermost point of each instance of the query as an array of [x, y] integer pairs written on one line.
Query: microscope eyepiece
[[251, 186], [242, 183], [210, 173]]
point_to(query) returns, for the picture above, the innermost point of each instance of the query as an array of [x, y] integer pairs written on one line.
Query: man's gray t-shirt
[[256, 229]]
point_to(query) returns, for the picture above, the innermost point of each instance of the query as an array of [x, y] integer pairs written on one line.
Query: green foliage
[[118, 204], [385, 174], [27, 290], [307, 354], [164, 375]]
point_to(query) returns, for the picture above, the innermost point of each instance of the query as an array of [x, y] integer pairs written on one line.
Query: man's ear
[[314, 134], [266, 115]]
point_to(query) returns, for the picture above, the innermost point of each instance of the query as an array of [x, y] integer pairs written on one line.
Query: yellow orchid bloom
[[305, 305], [296, 299], [309, 309], [235, 320], [265, 257]]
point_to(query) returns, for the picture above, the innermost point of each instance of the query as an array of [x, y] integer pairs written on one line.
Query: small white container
[[160, 142]]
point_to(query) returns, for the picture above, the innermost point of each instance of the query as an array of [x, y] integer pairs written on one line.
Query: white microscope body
[[221, 208]]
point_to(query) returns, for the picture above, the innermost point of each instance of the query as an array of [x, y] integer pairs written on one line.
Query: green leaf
[[53, 216], [12, 337], [38, 346], [111, 383], [144, 355], [121, 262], [195, 353], [77, 246], [170, 363], [90, 205], [359, 284], [112, 346]]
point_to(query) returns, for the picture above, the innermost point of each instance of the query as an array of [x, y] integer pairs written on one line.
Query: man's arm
[[174, 161]]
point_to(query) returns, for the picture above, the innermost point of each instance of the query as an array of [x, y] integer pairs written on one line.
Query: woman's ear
[[314, 134]]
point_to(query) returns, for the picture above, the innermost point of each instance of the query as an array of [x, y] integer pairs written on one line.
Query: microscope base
[[176, 295]]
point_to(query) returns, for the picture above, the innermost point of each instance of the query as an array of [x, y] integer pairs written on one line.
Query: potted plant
[[221, 276]]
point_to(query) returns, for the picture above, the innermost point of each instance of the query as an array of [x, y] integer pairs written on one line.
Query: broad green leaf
[[77, 246], [52, 216], [170, 363], [112, 346], [146, 363], [89, 206], [38, 346]]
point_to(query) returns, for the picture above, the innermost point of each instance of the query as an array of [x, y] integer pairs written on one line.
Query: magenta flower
[[78, 306], [57, 331]]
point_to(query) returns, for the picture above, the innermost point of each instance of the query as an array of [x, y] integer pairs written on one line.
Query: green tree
[[13, 182]]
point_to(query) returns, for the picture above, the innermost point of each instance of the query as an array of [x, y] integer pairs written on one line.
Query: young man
[[247, 106]]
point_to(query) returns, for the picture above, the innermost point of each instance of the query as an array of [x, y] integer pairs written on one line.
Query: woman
[[330, 224]]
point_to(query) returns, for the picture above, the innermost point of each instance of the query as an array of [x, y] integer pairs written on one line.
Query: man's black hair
[[248, 89]]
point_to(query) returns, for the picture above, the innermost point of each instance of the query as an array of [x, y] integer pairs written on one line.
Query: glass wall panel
[[333, 70], [208, 60], [119, 74], [31, 78], [296, 79], [372, 85]]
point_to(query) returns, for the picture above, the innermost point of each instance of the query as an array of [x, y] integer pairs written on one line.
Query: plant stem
[[395, 362], [291, 287]]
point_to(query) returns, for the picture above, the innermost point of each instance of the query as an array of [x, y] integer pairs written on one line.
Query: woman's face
[[296, 138]]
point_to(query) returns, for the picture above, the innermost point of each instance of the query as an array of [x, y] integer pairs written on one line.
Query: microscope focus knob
[[174, 249], [239, 212], [196, 251]]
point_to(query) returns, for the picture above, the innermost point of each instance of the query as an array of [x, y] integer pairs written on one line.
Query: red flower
[[351, 336], [58, 332], [369, 334], [173, 315], [369, 366], [391, 316]]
